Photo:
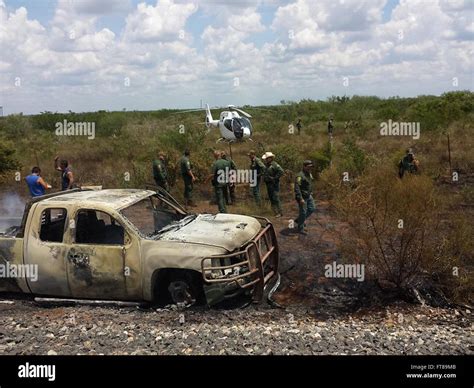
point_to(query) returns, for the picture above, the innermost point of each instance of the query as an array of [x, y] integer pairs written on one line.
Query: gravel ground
[[26, 328]]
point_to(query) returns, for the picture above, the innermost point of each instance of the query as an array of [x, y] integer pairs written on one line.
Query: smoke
[[11, 210]]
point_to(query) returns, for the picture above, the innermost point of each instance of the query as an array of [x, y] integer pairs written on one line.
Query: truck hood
[[226, 231]]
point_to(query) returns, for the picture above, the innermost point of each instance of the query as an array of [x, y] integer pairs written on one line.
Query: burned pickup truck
[[137, 245]]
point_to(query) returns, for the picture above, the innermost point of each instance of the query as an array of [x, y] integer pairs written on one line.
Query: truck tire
[[180, 287]]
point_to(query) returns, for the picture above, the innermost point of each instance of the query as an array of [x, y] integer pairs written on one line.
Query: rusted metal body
[[231, 253]]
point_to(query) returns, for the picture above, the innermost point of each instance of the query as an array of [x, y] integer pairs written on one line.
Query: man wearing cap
[[257, 169], [304, 194], [160, 171], [272, 175], [219, 177], [408, 163]]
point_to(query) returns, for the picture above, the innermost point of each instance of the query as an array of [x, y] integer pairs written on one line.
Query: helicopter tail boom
[[210, 122]]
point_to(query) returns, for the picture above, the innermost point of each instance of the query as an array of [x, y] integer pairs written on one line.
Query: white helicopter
[[234, 123]]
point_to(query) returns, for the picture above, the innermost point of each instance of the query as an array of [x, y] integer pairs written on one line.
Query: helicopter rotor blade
[[188, 111], [264, 109], [240, 111], [195, 110]]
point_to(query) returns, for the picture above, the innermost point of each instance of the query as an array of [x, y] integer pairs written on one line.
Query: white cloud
[[330, 39], [96, 42], [164, 21], [308, 39], [242, 16], [72, 30], [329, 15], [305, 51]]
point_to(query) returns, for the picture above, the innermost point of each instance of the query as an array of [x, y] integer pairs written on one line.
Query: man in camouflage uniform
[[408, 163], [298, 126], [331, 126], [160, 171], [188, 178], [304, 195], [229, 190], [257, 169], [272, 175], [220, 170]]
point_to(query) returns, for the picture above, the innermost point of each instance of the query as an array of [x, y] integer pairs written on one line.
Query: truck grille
[[252, 267]]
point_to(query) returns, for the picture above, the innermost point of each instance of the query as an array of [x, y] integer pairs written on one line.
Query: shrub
[[191, 138], [108, 124], [322, 158], [330, 183], [8, 161], [352, 158], [395, 229], [15, 126], [46, 120], [288, 156]]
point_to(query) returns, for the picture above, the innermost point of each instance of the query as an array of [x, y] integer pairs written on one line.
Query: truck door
[[96, 260], [45, 248]]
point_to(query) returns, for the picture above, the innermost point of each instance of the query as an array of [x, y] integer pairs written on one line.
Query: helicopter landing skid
[[224, 140], [228, 141]]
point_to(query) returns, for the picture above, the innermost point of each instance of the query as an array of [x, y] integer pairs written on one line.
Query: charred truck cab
[[138, 245]]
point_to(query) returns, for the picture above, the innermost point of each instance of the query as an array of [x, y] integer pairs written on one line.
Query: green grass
[[126, 142]]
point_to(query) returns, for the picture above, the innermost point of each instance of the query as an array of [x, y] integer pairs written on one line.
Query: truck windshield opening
[[150, 215]]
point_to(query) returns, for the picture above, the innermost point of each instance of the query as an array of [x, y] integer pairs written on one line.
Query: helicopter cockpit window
[[237, 128], [246, 122], [228, 124]]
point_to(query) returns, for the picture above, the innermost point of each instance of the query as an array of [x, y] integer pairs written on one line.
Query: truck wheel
[[181, 293], [179, 287]]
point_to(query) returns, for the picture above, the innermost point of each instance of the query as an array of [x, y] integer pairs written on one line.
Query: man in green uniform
[[273, 173], [229, 191], [408, 163], [257, 169], [220, 170], [304, 194], [298, 126], [160, 171], [188, 178], [331, 126]]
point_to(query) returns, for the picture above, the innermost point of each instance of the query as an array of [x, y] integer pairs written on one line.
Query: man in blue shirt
[[36, 184]]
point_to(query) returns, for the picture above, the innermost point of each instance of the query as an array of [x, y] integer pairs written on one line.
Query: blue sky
[[83, 55]]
